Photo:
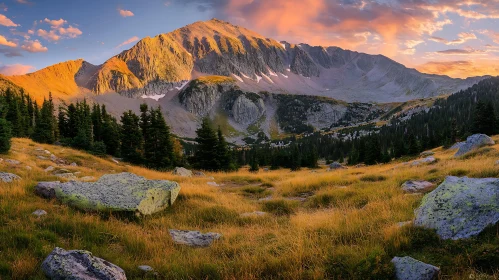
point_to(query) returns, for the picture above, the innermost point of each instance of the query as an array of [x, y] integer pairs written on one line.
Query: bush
[[373, 178], [279, 207], [486, 258], [99, 148], [5, 136]]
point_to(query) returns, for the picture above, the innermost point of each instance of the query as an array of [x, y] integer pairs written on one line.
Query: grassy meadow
[[336, 225]]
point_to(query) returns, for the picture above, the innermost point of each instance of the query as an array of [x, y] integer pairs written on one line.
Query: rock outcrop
[[460, 207], [194, 238], [407, 268], [417, 186], [124, 192], [183, 172], [79, 265], [8, 177], [474, 142], [47, 189]]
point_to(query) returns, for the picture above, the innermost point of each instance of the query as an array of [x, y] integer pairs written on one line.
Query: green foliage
[[131, 138], [5, 136], [373, 178]]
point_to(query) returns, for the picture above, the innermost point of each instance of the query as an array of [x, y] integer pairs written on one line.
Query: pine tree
[[44, 124], [159, 146], [484, 120], [205, 157], [254, 167], [373, 151], [110, 133], [5, 136], [223, 153], [131, 138]]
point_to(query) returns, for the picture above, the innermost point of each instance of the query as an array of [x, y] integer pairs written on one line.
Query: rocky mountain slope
[[155, 66]]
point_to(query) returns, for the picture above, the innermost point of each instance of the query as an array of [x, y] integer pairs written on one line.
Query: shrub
[[348, 198], [485, 258], [279, 207], [373, 178]]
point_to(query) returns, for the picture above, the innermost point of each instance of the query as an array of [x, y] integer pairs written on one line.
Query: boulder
[[460, 207], [336, 165], [12, 161], [180, 171], [407, 268], [457, 146], [46, 189], [79, 265], [39, 213], [8, 177], [124, 192], [426, 160], [474, 142], [417, 186], [194, 238]]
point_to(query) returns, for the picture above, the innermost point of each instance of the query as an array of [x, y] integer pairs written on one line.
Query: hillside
[[159, 65], [341, 224]]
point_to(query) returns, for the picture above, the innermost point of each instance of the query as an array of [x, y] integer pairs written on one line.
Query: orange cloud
[[55, 23], [461, 68], [16, 69], [48, 35], [5, 21], [34, 46], [129, 41], [5, 42], [125, 13], [71, 32]]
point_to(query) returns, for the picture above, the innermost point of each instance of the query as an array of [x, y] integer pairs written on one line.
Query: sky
[[450, 37]]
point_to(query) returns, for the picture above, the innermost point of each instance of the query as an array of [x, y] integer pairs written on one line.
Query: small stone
[[268, 198], [29, 168], [74, 164], [145, 268], [40, 213], [427, 154], [79, 264], [213, 184], [115, 160], [403, 224], [12, 161], [407, 268], [417, 186], [194, 238], [47, 152], [180, 171], [199, 174], [42, 157], [47, 189], [49, 169], [336, 165], [253, 214], [8, 177], [53, 158]]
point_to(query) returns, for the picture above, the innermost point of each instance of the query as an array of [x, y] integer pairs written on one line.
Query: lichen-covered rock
[[124, 192], [417, 186], [180, 171], [407, 268], [474, 142], [336, 165], [8, 177], [194, 238], [460, 207], [145, 268], [40, 213], [427, 160], [46, 189], [79, 265]]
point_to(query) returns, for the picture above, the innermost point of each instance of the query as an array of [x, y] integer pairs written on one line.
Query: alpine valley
[[251, 86]]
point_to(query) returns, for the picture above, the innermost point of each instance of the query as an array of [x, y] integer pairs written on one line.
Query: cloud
[[10, 52], [71, 32], [3, 7], [26, 2], [5, 21], [48, 35], [462, 51], [55, 23], [460, 68], [129, 41], [463, 37], [5, 42], [125, 13], [34, 47], [16, 69], [491, 34]]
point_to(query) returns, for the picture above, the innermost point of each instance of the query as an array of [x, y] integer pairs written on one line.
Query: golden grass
[[344, 221]]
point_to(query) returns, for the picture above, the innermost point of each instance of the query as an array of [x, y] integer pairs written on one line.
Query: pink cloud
[[5, 42], [125, 13], [129, 41], [5, 21], [16, 69], [71, 32], [55, 23], [34, 47], [48, 35]]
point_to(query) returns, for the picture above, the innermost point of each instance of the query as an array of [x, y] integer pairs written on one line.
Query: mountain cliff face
[[156, 66]]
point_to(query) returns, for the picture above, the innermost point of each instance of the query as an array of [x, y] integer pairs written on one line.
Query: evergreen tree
[[45, 131], [206, 156], [223, 153], [110, 133], [484, 120], [158, 146], [373, 151], [5, 136], [254, 167], [131, 138]]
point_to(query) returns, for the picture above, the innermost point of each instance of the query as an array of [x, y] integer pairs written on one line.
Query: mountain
[[164, 63]]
